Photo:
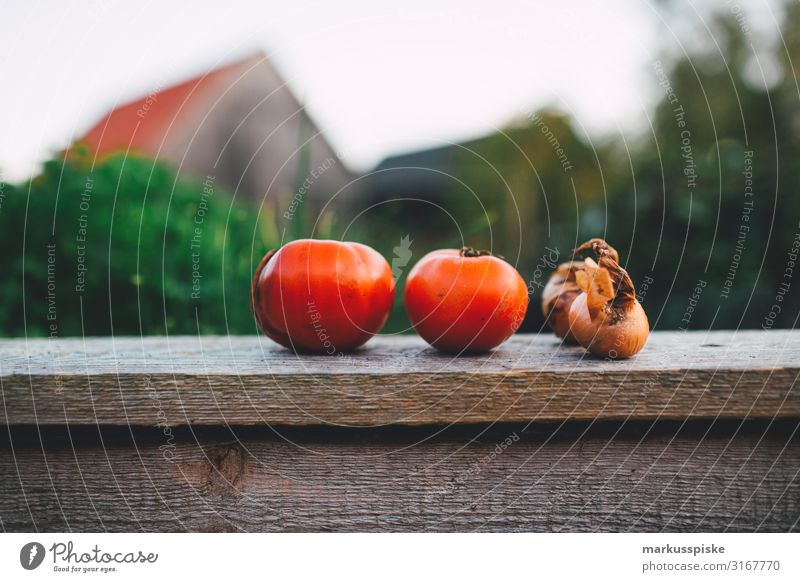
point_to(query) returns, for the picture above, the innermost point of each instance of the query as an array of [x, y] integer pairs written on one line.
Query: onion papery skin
[[557, 297]]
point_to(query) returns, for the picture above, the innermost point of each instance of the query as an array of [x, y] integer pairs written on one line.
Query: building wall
[[247, 137]]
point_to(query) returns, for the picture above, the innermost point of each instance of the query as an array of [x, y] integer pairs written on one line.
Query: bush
[[125, 247]]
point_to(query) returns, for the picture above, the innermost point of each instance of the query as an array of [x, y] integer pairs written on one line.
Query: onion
[[605, 317], [562, 289]]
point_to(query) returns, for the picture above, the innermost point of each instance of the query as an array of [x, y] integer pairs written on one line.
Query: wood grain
[[664, 477], [180, 381]]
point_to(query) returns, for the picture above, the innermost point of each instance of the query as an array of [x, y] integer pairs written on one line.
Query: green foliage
[[125, 247], [711, 200]]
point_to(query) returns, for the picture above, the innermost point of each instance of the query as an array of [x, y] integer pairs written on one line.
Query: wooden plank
[[659, 478], [394, 380]]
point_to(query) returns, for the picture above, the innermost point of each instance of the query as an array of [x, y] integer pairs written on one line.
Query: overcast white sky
[[377, 79]]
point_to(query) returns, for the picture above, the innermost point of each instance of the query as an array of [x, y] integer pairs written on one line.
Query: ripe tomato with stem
[[465, 300]]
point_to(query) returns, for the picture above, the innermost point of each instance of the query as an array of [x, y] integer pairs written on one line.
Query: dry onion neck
[[605, 282], [624, 291], [599, 247]]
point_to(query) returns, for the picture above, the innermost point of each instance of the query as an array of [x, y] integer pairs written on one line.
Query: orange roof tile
[[142, 124]]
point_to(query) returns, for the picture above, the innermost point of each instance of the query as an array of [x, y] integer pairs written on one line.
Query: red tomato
[[322, 295], [465, 300]]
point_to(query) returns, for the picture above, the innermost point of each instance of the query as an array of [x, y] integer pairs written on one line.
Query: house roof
[[143, 124]]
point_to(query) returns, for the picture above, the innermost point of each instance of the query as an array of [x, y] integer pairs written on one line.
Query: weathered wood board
[[393, 381], [665, 476], [697, 433]]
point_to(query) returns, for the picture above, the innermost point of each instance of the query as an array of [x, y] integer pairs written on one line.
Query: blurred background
[[152, 152]]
